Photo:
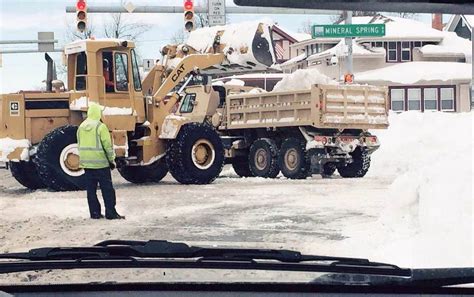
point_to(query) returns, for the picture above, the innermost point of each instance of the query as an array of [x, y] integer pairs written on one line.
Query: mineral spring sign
[[342, 31]]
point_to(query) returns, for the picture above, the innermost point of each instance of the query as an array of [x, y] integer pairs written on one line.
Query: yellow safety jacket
[[93, 138]]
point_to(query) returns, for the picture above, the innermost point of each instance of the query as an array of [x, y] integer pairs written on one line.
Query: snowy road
[[308, 215], [414, 208]]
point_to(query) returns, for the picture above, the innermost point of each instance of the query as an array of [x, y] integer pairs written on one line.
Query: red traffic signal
[[189, 15], [81, 5], [188, 5], [81, 15]]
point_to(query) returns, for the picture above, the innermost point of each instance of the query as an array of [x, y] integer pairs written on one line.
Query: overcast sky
[[21, 20]]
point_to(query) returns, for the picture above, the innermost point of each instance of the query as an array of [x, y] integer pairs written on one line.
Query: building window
[[430, 96], [392, 52], [414, 99], [417, 44], [447, 99], [406, 51], [397, 98]]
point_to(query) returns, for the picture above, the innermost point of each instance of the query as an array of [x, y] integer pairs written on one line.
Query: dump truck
[[38, 129], [298, 132]]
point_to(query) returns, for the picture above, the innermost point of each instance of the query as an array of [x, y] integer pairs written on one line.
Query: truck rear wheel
[[144, 174], [25, 173], [241, 166], [359, 166], [57, 160], [196, 156], [294, 161], [328, 170], [263, 158]]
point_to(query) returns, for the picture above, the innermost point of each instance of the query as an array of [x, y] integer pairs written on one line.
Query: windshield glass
[[331, 133]]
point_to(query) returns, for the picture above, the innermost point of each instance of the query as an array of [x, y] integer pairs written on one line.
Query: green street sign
[[342, 31]]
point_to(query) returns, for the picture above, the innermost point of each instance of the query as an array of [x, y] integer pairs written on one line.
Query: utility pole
[[350, 60]]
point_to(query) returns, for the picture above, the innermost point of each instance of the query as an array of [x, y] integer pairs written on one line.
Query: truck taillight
[[322, 139]]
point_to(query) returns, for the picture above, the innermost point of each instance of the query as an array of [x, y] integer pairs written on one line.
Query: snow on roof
[[357, 50], [295, 35], [401, 28], [452, 45], [415, 72], [255, 76], [294, 60], [469, 19]]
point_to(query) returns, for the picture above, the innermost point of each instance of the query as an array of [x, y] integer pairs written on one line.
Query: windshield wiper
[[165, 254]]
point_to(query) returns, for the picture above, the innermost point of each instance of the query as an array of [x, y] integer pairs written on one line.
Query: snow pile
[[415, 72], [8, 145], [237, 39], [452, 44], [235, 82], [82, 104], [303, 79], [257, 91], [429, 212]]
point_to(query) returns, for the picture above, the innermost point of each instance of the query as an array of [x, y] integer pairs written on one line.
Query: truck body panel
[[322, 106]]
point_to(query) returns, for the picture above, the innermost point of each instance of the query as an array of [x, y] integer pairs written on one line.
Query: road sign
[[129, 7], [148, 64], [343, 31], [216, 12]]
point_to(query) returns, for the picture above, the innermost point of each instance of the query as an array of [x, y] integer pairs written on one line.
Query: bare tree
[[179, 37], [305, 27], [339, 18], [120, 27], [407, 15]]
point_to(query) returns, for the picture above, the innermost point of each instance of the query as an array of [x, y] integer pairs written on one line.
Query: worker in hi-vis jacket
[[97, 157]]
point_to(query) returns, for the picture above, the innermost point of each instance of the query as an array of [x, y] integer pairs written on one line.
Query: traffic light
[[81, 15], [189, 15]]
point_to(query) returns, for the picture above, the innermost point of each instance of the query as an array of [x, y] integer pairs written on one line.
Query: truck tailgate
[[353, 106]]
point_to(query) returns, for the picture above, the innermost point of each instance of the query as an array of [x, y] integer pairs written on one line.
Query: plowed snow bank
[[428, 217]]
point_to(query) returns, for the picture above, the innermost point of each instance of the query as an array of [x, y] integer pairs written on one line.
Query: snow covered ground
[[414, 208]]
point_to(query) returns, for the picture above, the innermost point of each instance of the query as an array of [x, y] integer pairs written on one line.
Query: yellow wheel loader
[[38, 129]]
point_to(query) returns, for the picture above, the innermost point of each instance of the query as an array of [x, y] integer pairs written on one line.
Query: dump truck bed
[[322, 106]]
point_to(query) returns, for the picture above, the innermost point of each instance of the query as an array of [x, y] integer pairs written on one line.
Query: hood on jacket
[[94, 112]]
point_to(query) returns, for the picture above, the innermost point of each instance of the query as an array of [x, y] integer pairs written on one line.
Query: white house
[[424, 68]]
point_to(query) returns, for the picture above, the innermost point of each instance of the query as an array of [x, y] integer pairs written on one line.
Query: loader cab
[[106, 71]]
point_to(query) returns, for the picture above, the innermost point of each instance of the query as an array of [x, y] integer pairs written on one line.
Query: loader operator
[[97, 157]]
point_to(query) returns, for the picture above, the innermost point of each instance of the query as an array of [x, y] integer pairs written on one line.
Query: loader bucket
[[248, 46]]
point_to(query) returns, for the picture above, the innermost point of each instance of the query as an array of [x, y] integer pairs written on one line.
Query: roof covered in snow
[[297, 36], [416, 72], [294, 60], [255, 76], [451, 46], [341, 50], [401, 28], [454, 21]]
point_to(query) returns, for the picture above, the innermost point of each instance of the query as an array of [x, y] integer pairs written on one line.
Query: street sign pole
[[350, 60]]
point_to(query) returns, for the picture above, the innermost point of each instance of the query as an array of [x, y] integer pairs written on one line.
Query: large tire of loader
[[152, 173], [57, 160], [242, 167], [263, 158], [196, 156], [359, 167], [293, 159], [25, 173]]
